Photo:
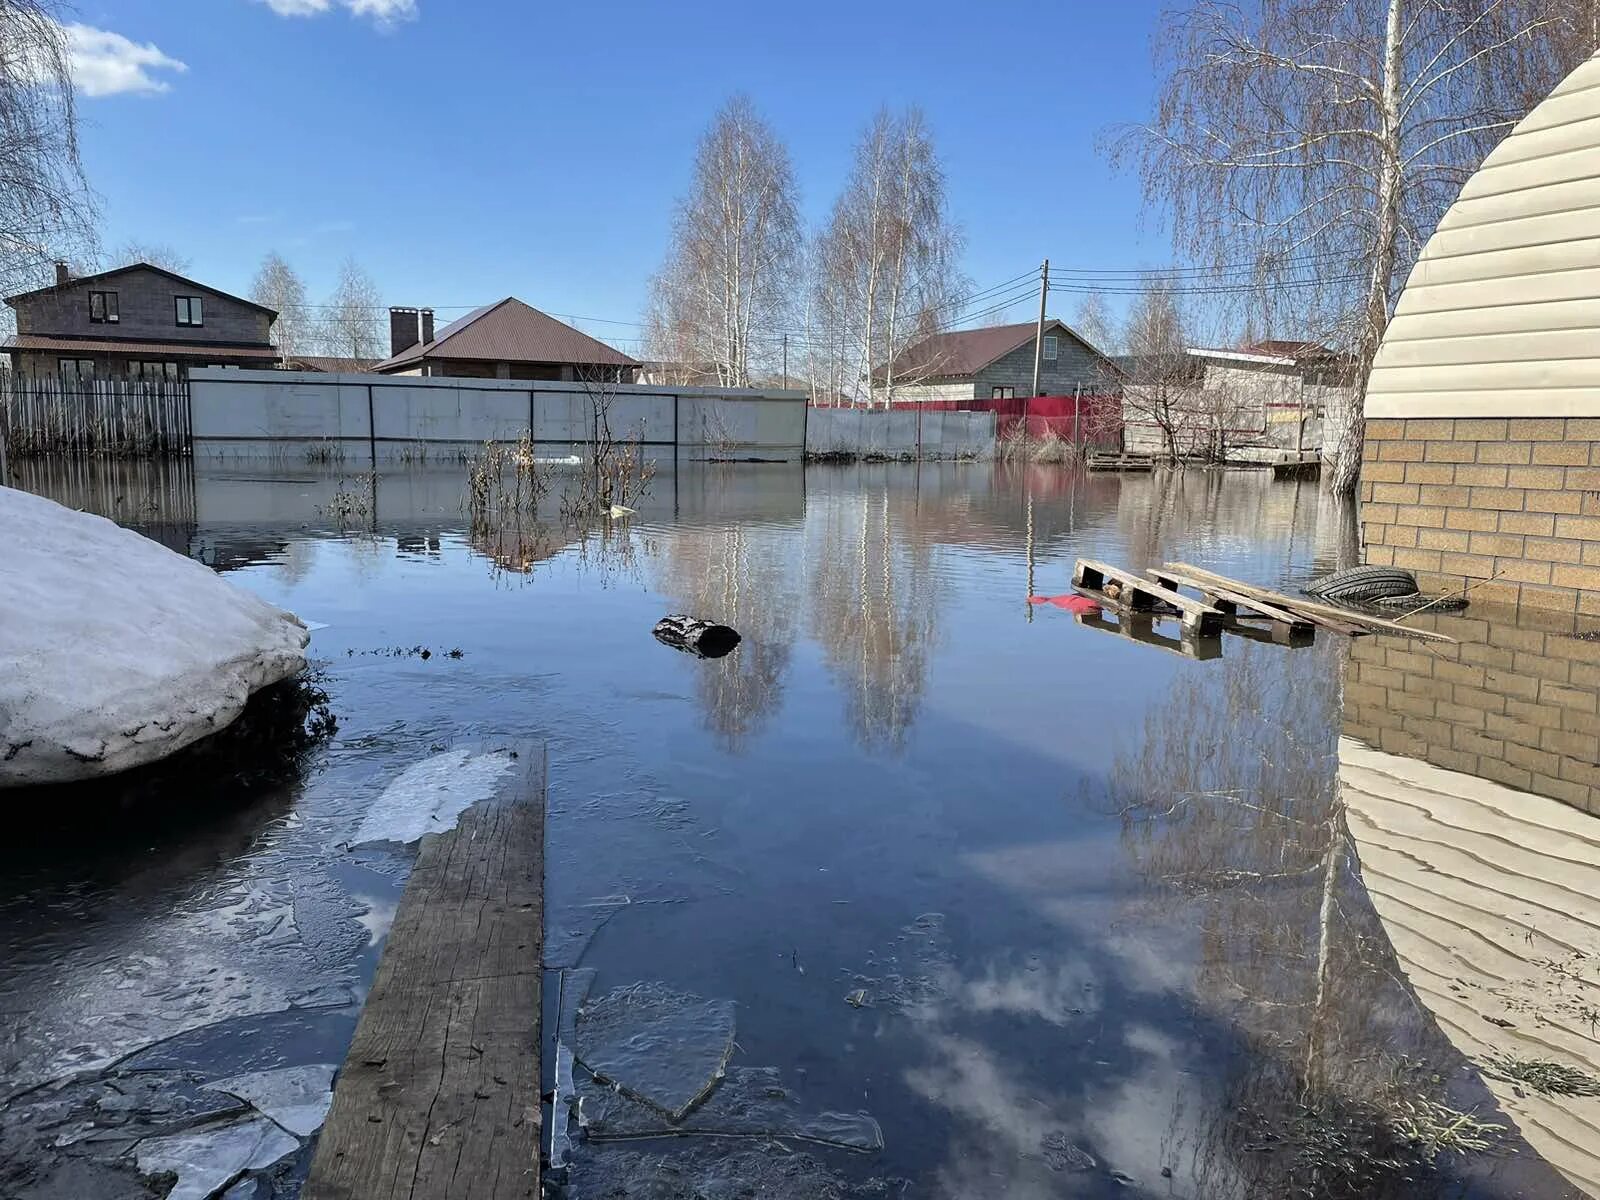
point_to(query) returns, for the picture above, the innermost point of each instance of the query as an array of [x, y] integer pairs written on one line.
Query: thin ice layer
[[296, 1098], [208, 1160], [430, 796], [748, 1102], [661, 1046]]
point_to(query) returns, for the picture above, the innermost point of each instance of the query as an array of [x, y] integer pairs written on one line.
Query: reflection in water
[[874, 607], [1231, 809]]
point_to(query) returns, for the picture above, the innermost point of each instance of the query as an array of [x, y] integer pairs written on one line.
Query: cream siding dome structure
[[1482, 458]]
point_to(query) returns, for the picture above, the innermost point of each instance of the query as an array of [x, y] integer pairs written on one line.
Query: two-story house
[[135, 322]]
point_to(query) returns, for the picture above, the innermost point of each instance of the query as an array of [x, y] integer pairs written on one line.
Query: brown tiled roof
[[964, 352], [66, 345], [143, 266], [329, 364], [510, 331]]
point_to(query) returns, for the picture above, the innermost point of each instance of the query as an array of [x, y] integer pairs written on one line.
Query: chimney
[[63, 274], [403, 323], [427, 327]]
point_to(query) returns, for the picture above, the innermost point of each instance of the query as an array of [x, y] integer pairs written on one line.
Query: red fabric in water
[[1072, 603]]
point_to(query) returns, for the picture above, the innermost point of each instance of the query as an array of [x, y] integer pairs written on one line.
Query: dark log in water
[[705, 639]]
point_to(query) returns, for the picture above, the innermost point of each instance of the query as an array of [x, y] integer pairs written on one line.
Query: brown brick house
[[507, 340], [135, 322]]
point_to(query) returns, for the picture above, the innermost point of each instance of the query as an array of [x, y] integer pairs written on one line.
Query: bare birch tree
[[352, 326], [729, 277], [1329, 136], [1093, 321], [885, 272], [156, 254], [278, 287], [47, 210], [1158, 384]]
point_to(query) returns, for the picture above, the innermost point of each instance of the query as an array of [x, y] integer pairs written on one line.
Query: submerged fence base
[[119, 417]]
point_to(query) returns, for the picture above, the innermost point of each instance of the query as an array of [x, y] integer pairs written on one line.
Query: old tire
[[1364, 585]]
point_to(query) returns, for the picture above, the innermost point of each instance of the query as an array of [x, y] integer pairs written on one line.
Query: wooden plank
[[1141, 595], [1218, 596], [439, 1095], [1141, 629], [1316, 612]]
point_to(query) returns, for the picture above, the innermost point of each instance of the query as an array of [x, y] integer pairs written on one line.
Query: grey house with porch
[[136, 322], [995, 363]]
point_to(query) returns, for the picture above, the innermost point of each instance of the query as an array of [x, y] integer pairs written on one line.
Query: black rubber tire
[[1364, 585]]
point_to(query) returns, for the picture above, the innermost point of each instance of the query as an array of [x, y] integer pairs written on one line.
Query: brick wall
[[1509, 504], [1512, 702]]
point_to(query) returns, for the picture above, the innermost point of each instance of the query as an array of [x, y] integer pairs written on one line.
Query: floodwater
[[924, 891]]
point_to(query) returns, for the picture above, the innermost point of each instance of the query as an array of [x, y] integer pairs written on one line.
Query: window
[[1050, 347], [1003, 393], [103, 308], [77, 370], [189, 310], [152, 372]]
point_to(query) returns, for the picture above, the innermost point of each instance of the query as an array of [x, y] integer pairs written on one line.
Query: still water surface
[[1063, 913]]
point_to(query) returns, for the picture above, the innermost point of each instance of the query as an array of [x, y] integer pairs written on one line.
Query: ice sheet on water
[[297, 1098], [208, 1160], [748, 1102], [706, 1171], [430, 796], [664, 1047], [912, 972]]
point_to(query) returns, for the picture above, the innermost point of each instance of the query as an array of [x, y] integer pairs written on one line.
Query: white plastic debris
[[296, 1098], [430, 796], [208, 1160], [114, 650]]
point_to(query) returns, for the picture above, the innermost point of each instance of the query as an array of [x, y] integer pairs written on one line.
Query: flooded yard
[[926, 890]]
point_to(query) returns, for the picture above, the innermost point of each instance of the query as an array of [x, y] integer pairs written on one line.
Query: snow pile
[[114, 650]]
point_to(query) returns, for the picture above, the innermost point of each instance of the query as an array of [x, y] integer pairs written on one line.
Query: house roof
[[1290, 349], [329, 364], [1254, 356], [965, 352], [510, 331], [73, 345], [144, 266]]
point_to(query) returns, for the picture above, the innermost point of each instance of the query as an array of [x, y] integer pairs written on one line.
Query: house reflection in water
[[1468, 774]]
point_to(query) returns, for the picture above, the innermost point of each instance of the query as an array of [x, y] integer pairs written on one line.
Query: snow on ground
[[114, 650]]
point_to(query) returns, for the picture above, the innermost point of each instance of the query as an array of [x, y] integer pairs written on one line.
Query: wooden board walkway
[[1123, 590], [438, 1098], [1116, 460]]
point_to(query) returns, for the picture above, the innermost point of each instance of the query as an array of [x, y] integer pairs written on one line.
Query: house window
[[77, 370], [152, 372], [189, 310], [1050, 347], [1003, 393], [103, 308]]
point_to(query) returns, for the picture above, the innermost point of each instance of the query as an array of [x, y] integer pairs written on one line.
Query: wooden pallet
[[1236, 604], [1139, 627], [1112, 460], [1127, 592]]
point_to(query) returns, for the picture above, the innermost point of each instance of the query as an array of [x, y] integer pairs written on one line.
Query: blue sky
[[463, 150]]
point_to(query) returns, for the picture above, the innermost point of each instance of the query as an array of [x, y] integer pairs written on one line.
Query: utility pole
[[1038, 333], [786, 362]]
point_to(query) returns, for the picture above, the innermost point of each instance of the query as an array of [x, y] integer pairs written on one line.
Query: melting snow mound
[[114, 650]]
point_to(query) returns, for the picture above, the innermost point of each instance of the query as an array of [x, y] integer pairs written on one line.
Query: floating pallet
[[1114, 460], [1139, 627], [1236, 604], [1125, 591], [438, 1098], [1306, 467]]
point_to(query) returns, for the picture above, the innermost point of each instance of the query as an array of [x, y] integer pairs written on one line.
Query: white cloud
[[108, 64], [381, 12]]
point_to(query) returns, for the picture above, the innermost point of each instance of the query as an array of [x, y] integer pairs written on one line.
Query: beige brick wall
[[1512, 703], [1511, 505]]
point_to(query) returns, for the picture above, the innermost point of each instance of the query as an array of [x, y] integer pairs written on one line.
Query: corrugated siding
[[1501, 316], [1491, 900]]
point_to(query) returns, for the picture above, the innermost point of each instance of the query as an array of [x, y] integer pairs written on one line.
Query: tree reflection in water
[[1339, 1084]]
